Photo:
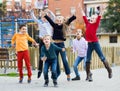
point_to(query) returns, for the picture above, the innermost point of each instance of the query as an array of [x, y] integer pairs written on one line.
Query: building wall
[[65, 7], [105, 40]]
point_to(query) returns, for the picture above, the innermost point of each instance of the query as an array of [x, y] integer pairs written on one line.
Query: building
[[20, 8]]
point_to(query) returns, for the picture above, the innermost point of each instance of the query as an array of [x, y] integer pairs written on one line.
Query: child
[[44, 29], [79, 46], [48, 55], [20, 39], [59, 38], [93, 44]]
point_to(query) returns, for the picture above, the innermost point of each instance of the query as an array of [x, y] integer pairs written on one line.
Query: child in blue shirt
[[48, 55]]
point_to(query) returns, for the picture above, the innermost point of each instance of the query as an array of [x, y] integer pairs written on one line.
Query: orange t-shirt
[[21, 41]]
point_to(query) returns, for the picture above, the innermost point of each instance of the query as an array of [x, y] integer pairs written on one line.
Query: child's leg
[[53, 69], [46, 67], [58, 66], [54, 73], [75, 65], [89, 54], [40, 65], [20, 63], [100, 54], [84, 63], [64, 60], [27, 63]]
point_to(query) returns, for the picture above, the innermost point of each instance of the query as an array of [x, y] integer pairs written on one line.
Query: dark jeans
[[53, 65], [94, 46], [64, 59], [40, 65]]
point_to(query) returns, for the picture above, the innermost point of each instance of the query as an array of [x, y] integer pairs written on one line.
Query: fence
[[112, 55]]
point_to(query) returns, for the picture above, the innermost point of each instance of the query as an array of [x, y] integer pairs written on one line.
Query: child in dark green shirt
[[48, 55]]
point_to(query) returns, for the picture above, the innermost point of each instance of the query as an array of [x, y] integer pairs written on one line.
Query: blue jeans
[[53, 65], [64, 59], [76, 63], [94, 46]]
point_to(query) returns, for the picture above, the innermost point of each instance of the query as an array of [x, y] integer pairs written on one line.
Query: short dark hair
[[22, 25]]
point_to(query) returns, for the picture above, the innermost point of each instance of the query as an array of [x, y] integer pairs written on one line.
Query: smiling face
[[47, 40], [93, 19], [59, 20], [23, 29]]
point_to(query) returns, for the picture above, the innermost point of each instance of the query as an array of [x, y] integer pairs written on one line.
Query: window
[[113, 39], [17, 3], [58, 11], [17, 0], [28, 0], [9, 3], [73, 10]]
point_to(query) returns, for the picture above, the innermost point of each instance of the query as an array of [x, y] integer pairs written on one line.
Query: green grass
[[11, 74]]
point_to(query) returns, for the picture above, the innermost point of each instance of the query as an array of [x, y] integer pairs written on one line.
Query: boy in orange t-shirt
[[20, 39]]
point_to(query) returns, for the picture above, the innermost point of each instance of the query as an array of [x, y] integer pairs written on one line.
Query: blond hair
[[48, 36]]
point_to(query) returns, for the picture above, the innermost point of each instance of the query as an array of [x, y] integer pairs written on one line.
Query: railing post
[[113, 56]]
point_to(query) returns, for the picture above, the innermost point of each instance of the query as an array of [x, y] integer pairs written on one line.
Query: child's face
[[47, 40], [79, 33], [23, 30], [93, 19], [59, 20]]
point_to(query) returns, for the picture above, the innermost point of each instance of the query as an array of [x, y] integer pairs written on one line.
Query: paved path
[[100, 82]]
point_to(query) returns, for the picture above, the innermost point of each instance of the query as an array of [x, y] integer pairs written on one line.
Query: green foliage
[[2, 9], [111, 21]]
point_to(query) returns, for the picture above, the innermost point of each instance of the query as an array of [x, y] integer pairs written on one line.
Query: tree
[[111, 21], [2, 9]]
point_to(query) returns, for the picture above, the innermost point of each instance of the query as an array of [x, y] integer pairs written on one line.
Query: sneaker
[[55, 83], [46, 83], [68, 77], [20, 80], [76, 78], [29, 80]]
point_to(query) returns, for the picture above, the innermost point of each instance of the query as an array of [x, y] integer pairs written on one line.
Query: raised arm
[[99, 13], [80, 8], [83, 14], [51, 14], [70, 19], [33, 16], [49, 20]]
